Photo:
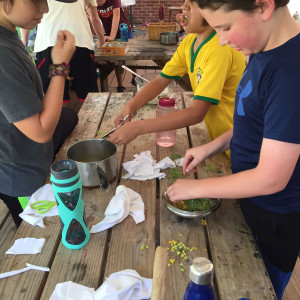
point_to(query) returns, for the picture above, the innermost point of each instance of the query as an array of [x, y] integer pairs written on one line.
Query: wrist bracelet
[[60, 69]]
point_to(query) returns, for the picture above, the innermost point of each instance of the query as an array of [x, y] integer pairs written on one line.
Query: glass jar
[[165, 138]]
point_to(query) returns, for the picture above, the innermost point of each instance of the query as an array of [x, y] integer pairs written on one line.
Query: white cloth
[[125, 202], [30, 215], [123, 285], [29, 267], [179, 161], [144, 167], [65, 16], [26, 246]]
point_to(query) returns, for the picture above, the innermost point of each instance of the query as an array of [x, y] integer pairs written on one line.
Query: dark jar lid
[[165, 101]]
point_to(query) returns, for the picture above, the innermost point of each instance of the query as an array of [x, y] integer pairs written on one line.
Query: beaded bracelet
[[60, 69]]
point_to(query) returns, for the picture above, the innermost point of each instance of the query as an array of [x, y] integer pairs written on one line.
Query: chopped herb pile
[[198, 204], [175, 174], [174, 156], [209, 167]]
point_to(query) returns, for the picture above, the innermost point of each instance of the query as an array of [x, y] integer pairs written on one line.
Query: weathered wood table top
[[225, 239], [143, 50]]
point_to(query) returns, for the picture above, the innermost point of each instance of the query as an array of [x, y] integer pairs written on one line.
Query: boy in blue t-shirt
[[265, 140]]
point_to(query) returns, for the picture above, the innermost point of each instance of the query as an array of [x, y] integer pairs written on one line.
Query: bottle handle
[[103, 179]]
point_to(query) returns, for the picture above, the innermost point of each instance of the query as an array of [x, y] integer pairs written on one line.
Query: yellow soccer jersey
[[214, 73]]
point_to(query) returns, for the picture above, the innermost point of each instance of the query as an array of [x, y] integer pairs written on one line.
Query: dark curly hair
[[229, 5]]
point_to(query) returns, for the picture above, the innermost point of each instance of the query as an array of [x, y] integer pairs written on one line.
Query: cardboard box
[[115, 48]]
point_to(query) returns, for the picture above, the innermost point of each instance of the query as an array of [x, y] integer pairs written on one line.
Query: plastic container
[[140, 83], [201, 275], [67, 188], [165, 138], [124, 32]]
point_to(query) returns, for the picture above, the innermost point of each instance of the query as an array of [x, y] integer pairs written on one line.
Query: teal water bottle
[[67, 188], [124, 32]]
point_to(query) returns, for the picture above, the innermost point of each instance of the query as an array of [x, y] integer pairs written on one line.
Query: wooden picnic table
[[225, 239], [141, 50]]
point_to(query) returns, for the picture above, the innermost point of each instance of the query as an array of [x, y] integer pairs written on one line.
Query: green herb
[[199, 204], [174, 156], [101, 133], [209, 167], [175, 174]]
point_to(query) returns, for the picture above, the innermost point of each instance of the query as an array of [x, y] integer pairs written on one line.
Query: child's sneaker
[[121, 89]]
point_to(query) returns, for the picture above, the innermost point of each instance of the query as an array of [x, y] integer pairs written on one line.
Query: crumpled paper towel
[[125, 202], [26, 246], [144, 167], [123, 285], [30, 215]]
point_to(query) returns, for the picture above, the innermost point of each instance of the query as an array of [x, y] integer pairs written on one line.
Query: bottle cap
[[166, 101], [201, 271]]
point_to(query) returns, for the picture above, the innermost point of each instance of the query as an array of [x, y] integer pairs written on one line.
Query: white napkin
[[29, 267], [123, 285], [179, 161], [125, 202], [144, 167], [30, 215], [26, 246]]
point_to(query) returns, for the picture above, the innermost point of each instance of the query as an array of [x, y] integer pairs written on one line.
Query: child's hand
[[179, 18], [124, 112], [193, 157], [125, 134], [64, 48], [109, 38], [183, 189]]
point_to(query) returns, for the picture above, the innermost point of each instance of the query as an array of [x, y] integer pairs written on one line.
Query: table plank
[[173, 227], [239, 269], [88, 262], [128, 237], [140, 50], [29, 285]]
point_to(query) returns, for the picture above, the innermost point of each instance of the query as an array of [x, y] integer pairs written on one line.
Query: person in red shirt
[[112, 15]]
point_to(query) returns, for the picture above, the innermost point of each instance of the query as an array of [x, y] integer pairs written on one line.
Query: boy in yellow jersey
[[214, 73]]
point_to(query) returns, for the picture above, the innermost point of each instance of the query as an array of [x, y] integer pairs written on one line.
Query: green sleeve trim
[[169, 77], [212, 100]]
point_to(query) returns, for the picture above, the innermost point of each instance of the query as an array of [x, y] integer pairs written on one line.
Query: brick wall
[[147, 10]]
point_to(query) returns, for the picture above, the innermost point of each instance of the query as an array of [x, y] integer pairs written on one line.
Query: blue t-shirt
[[267, 105]]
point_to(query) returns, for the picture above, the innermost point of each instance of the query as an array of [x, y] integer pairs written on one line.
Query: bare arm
[[114, 25], [96, 23], [273, 172], [146, 94], [178, 119], [196, 155], [24, 36], [40, 127]]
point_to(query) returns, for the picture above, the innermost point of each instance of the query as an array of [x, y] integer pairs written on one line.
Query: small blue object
[[124, 32]]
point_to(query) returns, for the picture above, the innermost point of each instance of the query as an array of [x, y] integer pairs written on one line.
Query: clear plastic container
[[165, 138], [140, 83]]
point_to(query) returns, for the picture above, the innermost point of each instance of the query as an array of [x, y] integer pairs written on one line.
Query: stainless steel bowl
[[169, 38], [189, 214]]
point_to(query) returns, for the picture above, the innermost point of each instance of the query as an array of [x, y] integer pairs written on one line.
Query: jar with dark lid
[[201, 275]]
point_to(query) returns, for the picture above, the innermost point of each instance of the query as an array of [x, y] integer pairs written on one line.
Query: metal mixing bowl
[[189, 214], [169, 38]]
